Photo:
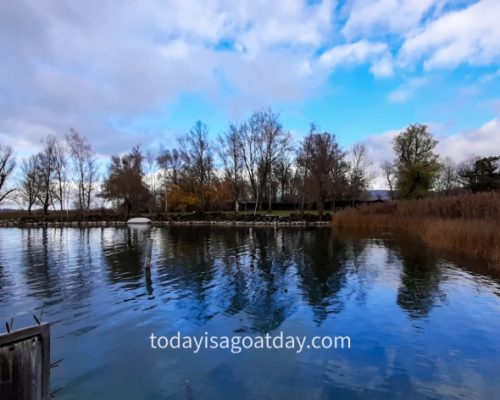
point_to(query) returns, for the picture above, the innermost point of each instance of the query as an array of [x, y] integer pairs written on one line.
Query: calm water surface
[[421, 327]]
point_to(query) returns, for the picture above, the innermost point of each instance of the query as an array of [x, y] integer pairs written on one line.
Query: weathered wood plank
[[25, 364]]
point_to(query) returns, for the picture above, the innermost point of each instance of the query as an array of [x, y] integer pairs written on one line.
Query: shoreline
[[107, 224], [158, 219]]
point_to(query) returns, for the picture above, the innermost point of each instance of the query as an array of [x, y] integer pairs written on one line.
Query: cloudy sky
[[128, 72]]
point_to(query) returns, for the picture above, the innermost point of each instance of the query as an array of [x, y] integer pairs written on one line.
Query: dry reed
[[468, 225]]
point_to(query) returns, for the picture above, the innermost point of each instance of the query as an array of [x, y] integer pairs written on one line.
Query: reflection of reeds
[[467, 224]]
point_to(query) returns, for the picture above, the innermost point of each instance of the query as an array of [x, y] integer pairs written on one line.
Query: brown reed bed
[[468, 225]]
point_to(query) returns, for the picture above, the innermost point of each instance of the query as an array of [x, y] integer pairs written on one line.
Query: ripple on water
[[421, 327]]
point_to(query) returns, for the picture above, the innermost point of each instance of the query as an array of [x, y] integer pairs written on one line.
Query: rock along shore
[[88, 224], [183, 220]]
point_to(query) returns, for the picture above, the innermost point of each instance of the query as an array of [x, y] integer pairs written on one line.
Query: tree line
[[417, 171], [256, 163], [63, 175]]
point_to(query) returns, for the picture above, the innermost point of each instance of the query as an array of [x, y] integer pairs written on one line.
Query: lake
[[421, 326]]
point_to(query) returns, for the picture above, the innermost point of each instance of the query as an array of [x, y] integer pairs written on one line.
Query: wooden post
[[148, 250], [25, 364]]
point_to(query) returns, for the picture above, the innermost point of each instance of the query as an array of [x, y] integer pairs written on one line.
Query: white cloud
[[438, 33], [83, 64], [263, 24], [380, 146], [383, 67], [483, 141], [380, 150], [176, 49], [466, 36], [357, 53], [406, 91], [369, 17]]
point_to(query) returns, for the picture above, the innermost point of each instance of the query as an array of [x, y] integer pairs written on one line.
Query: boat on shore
[[138, 220]]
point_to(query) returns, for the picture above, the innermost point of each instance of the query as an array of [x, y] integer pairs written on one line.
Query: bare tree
[[248, 141], [124, 183], [296, 190], [229, 152], [360, 176], [29, 187], [323, 161], [263, 141], [92, 176], [390, 176], [46, 169], [447, 178], [60, 172], [197, 154], [170, 163], [7, 165], [282, 173], [151, 178], [301, 177], [276, 143], [84, 168]]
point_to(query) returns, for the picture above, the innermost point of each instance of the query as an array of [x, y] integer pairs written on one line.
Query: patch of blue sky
[[181, 115], [355, 105], [225, 45], [352, 103]]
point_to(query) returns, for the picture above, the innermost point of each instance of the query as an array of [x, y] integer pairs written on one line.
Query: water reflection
[[261, 272], [5, 280], [323, 267], [123, 254], [264, 274], [41, 262], [402, 305], [420, 283]]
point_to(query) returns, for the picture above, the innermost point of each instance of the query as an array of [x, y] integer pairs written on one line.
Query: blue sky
[[144, 72]]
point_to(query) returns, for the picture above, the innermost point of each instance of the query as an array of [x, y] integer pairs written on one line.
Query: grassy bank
[[468, 225], [17, 218]]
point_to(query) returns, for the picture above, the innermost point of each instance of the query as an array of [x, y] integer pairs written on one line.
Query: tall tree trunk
[[256, 203], [129, 208], [269, 199], [89, 192], [236, 202], [62, 199], [321, 206], [302, 200]]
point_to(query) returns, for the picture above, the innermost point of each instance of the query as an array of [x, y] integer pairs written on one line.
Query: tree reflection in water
[[103, 304]]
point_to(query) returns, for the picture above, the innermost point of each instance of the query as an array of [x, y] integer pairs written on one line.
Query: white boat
[[142, 221]]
